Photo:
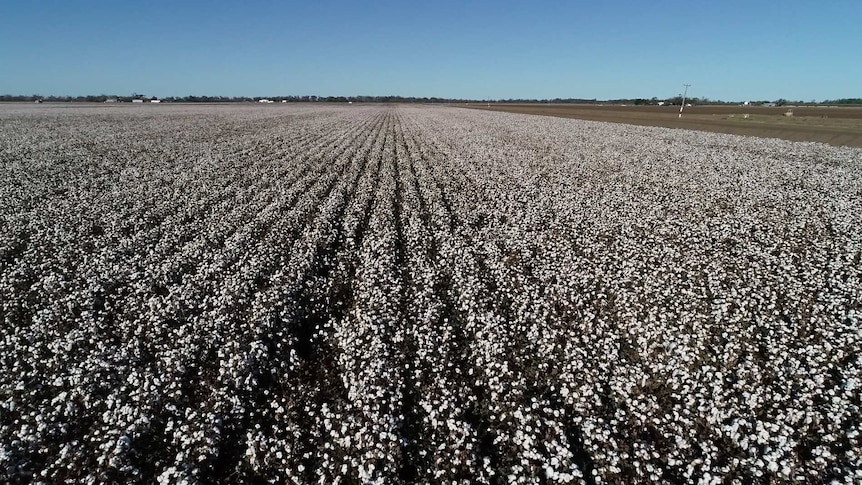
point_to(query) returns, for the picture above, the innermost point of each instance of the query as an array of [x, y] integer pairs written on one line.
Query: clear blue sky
[[733, 50]]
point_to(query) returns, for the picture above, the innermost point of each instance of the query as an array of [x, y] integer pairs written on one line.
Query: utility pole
[[682, 105]]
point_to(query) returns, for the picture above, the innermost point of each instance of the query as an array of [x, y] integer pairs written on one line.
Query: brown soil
[[833, 125]]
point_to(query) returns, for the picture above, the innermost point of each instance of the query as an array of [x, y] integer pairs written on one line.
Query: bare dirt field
[[834, 125]]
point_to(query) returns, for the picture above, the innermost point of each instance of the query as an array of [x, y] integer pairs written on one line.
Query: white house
[[137, 100]]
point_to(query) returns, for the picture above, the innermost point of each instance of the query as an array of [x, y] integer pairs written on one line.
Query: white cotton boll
[[635, 283]]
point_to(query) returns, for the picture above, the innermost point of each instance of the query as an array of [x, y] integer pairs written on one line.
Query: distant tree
[[844, 101]]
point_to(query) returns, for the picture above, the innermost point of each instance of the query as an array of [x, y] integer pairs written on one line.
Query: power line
[[682, 105]]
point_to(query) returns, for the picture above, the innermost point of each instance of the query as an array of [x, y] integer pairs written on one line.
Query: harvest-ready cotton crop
[[379, 294]]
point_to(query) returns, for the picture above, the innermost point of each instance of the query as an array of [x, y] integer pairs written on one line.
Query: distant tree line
[[676, 100], [232, 99], [844, 101]]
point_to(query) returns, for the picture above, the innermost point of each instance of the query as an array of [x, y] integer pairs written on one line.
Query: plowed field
[[841, 126]]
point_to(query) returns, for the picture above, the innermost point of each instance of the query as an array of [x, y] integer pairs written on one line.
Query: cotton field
[[382, 294]]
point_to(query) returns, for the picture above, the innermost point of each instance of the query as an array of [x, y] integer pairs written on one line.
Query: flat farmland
[[833, 125], [411, 294]]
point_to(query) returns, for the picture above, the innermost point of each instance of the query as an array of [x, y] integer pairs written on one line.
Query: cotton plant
[[423, 295]]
